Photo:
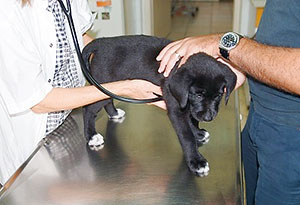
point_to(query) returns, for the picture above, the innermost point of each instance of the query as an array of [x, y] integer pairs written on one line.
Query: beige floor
[[212, 17]]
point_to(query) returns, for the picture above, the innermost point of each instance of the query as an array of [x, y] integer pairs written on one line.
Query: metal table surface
[[141, 163]]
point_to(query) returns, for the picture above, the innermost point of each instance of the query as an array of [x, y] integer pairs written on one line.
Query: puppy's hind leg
[[95, 140], [116, 115], [201, 135]]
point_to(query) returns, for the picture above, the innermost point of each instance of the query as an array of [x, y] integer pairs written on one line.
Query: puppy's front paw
[[119, 118], [199, 166], [96, 143], [202, 137]]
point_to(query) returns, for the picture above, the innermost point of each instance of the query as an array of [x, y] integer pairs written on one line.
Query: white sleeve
[[84, 15], [22, 80]]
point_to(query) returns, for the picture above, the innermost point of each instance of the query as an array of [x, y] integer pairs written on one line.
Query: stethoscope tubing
[[85, 71]]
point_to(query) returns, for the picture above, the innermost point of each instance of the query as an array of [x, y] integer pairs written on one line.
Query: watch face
[[229, 41]]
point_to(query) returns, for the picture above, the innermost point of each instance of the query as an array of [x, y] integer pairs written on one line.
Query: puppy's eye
[[201, 93]]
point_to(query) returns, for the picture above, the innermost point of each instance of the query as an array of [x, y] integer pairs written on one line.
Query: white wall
[[138, 17], [237, 5], [114, 26], [129, 17], [248, 18]]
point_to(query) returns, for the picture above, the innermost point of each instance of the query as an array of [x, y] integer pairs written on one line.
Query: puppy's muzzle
[[209, 115], [204, 116]]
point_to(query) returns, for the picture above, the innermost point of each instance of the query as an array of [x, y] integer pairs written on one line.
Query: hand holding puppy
[[183, 49]]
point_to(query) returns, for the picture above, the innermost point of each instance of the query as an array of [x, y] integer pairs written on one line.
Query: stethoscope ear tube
[[85, 71]]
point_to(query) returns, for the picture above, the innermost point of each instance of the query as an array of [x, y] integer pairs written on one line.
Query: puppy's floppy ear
[[179, 86], [230, 81]]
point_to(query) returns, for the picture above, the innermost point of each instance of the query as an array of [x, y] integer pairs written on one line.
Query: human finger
[[165, 50], [174, 58], [155, 90], [168, 53], [161, 104], [184, 59]]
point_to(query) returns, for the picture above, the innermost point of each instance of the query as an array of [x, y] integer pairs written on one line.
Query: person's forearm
[[276, 66], [70, 98]]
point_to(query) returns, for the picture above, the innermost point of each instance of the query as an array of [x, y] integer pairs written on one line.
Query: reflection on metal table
[[141, 163]]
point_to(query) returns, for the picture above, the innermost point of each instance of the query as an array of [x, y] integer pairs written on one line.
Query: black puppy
[[192, 92]]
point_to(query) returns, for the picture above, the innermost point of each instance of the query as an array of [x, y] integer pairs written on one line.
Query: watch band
[[224, 53]]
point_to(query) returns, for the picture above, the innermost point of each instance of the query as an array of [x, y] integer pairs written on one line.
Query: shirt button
[[49, 80], [51, 45]]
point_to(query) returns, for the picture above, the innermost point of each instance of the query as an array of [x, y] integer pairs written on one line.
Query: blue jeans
[[271, 157]]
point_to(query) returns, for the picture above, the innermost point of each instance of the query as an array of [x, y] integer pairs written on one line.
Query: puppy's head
[[200, 84]]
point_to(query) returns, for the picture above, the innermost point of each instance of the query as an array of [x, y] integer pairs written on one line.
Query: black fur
[[192, 93]]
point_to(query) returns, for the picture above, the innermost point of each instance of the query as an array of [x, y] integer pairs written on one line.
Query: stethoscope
[[85, 71]]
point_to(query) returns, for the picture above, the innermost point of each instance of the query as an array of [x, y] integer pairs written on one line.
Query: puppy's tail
[[87, 55]]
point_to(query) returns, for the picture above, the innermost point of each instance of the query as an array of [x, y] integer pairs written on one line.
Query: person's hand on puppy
[[142, 89], [183, 49]]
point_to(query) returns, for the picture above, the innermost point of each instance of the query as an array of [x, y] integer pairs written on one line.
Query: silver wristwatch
[[228, 42]]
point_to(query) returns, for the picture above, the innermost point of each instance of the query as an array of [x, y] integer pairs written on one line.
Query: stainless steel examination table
[[141, 163]]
